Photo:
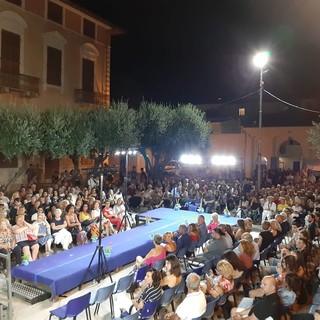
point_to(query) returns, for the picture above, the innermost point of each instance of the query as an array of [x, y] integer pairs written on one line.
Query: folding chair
[[73, 308], [103, 294]]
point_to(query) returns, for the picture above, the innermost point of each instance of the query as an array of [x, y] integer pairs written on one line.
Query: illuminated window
[[242, 111]]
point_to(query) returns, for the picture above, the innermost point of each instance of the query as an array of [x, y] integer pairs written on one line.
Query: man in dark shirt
[[182, 237], [312, 227], [267, 306]]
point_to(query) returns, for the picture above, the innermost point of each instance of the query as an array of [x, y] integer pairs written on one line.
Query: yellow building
[[52, 54]]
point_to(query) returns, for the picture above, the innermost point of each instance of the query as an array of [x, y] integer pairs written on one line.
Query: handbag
[[31, 237]]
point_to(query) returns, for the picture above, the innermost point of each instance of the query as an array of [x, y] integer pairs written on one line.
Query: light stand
[[125, 219], [102, 260], [260, 128], [260, 61]]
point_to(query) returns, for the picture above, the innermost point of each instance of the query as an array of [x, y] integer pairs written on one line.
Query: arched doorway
[[290, 155]]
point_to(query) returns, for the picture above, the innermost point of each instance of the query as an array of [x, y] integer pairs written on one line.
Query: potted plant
[[108, 250], [25, 259]]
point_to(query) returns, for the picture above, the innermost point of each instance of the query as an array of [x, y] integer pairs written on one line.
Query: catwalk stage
[[65, 270]]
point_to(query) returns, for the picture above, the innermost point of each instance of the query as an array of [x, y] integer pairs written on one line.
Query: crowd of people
[[33, 218]]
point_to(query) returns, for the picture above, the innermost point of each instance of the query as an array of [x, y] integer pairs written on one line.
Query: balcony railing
[[19, 82], [85, 96]]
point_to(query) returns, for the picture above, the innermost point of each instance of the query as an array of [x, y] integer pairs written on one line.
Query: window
[[87, 75], [5, 163], [242, 111], [10, 52], [16, 2], [54, 59], [89, 28], [55, 12]]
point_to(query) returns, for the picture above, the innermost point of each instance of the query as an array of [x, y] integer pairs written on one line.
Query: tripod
[[125, 219], [102, 260]]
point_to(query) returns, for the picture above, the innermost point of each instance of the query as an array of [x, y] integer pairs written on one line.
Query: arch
[[56, 40], [290, 148], [89, 51], [12, 22]]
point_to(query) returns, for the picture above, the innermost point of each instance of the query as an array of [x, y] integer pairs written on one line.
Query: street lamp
[[260, 60]]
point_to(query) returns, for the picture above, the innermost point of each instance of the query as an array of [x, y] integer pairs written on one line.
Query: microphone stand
[[103, 269]]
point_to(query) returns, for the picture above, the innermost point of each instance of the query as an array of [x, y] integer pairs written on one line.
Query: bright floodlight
[[261, 59], [223, 160], [191, 159]]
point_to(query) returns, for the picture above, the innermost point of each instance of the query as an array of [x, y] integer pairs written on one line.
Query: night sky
[[200, 51]]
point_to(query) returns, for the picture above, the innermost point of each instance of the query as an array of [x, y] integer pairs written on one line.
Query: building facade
[[52, 54]]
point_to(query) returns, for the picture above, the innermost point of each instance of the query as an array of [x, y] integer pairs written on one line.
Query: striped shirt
[[152, 293]]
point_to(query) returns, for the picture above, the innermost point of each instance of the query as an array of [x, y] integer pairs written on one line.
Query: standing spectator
[[30, 173], [133, 174], [311, 225], [143, 176]]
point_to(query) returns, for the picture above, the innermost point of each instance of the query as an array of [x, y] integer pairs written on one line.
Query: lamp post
[[260, 60]]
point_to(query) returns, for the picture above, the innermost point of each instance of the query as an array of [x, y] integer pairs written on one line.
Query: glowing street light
[[260, 60]]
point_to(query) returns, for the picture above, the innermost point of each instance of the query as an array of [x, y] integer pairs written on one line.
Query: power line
[[289, 104], [243, 97]]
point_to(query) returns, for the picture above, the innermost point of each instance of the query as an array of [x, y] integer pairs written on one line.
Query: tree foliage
[[114, 128], [163, 129], [19, 131], [167, 131], [314, 138], [67, 132]]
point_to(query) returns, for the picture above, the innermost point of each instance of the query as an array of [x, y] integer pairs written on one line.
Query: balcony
[[85, 96], [27, 85]]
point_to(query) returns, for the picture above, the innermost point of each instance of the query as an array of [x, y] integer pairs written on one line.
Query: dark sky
[[200, 51]]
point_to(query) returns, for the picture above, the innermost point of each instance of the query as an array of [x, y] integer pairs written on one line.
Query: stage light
[[191, 159], [223, 161]]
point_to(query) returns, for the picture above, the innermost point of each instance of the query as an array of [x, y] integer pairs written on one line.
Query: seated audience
[[59, 230], [8, 243], [214, 222], [182, 237], [155, 254], [203, 230], [152, 291], [288, 289], [44, 232], [26, 238], [237, 265], [85, 217], [246, 253], [109, 215], [248, 236], [268, 306], [214, 247], [217, 285], [169, 244], [194, 238], [265, 236], [173, 275], [194, 304]]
